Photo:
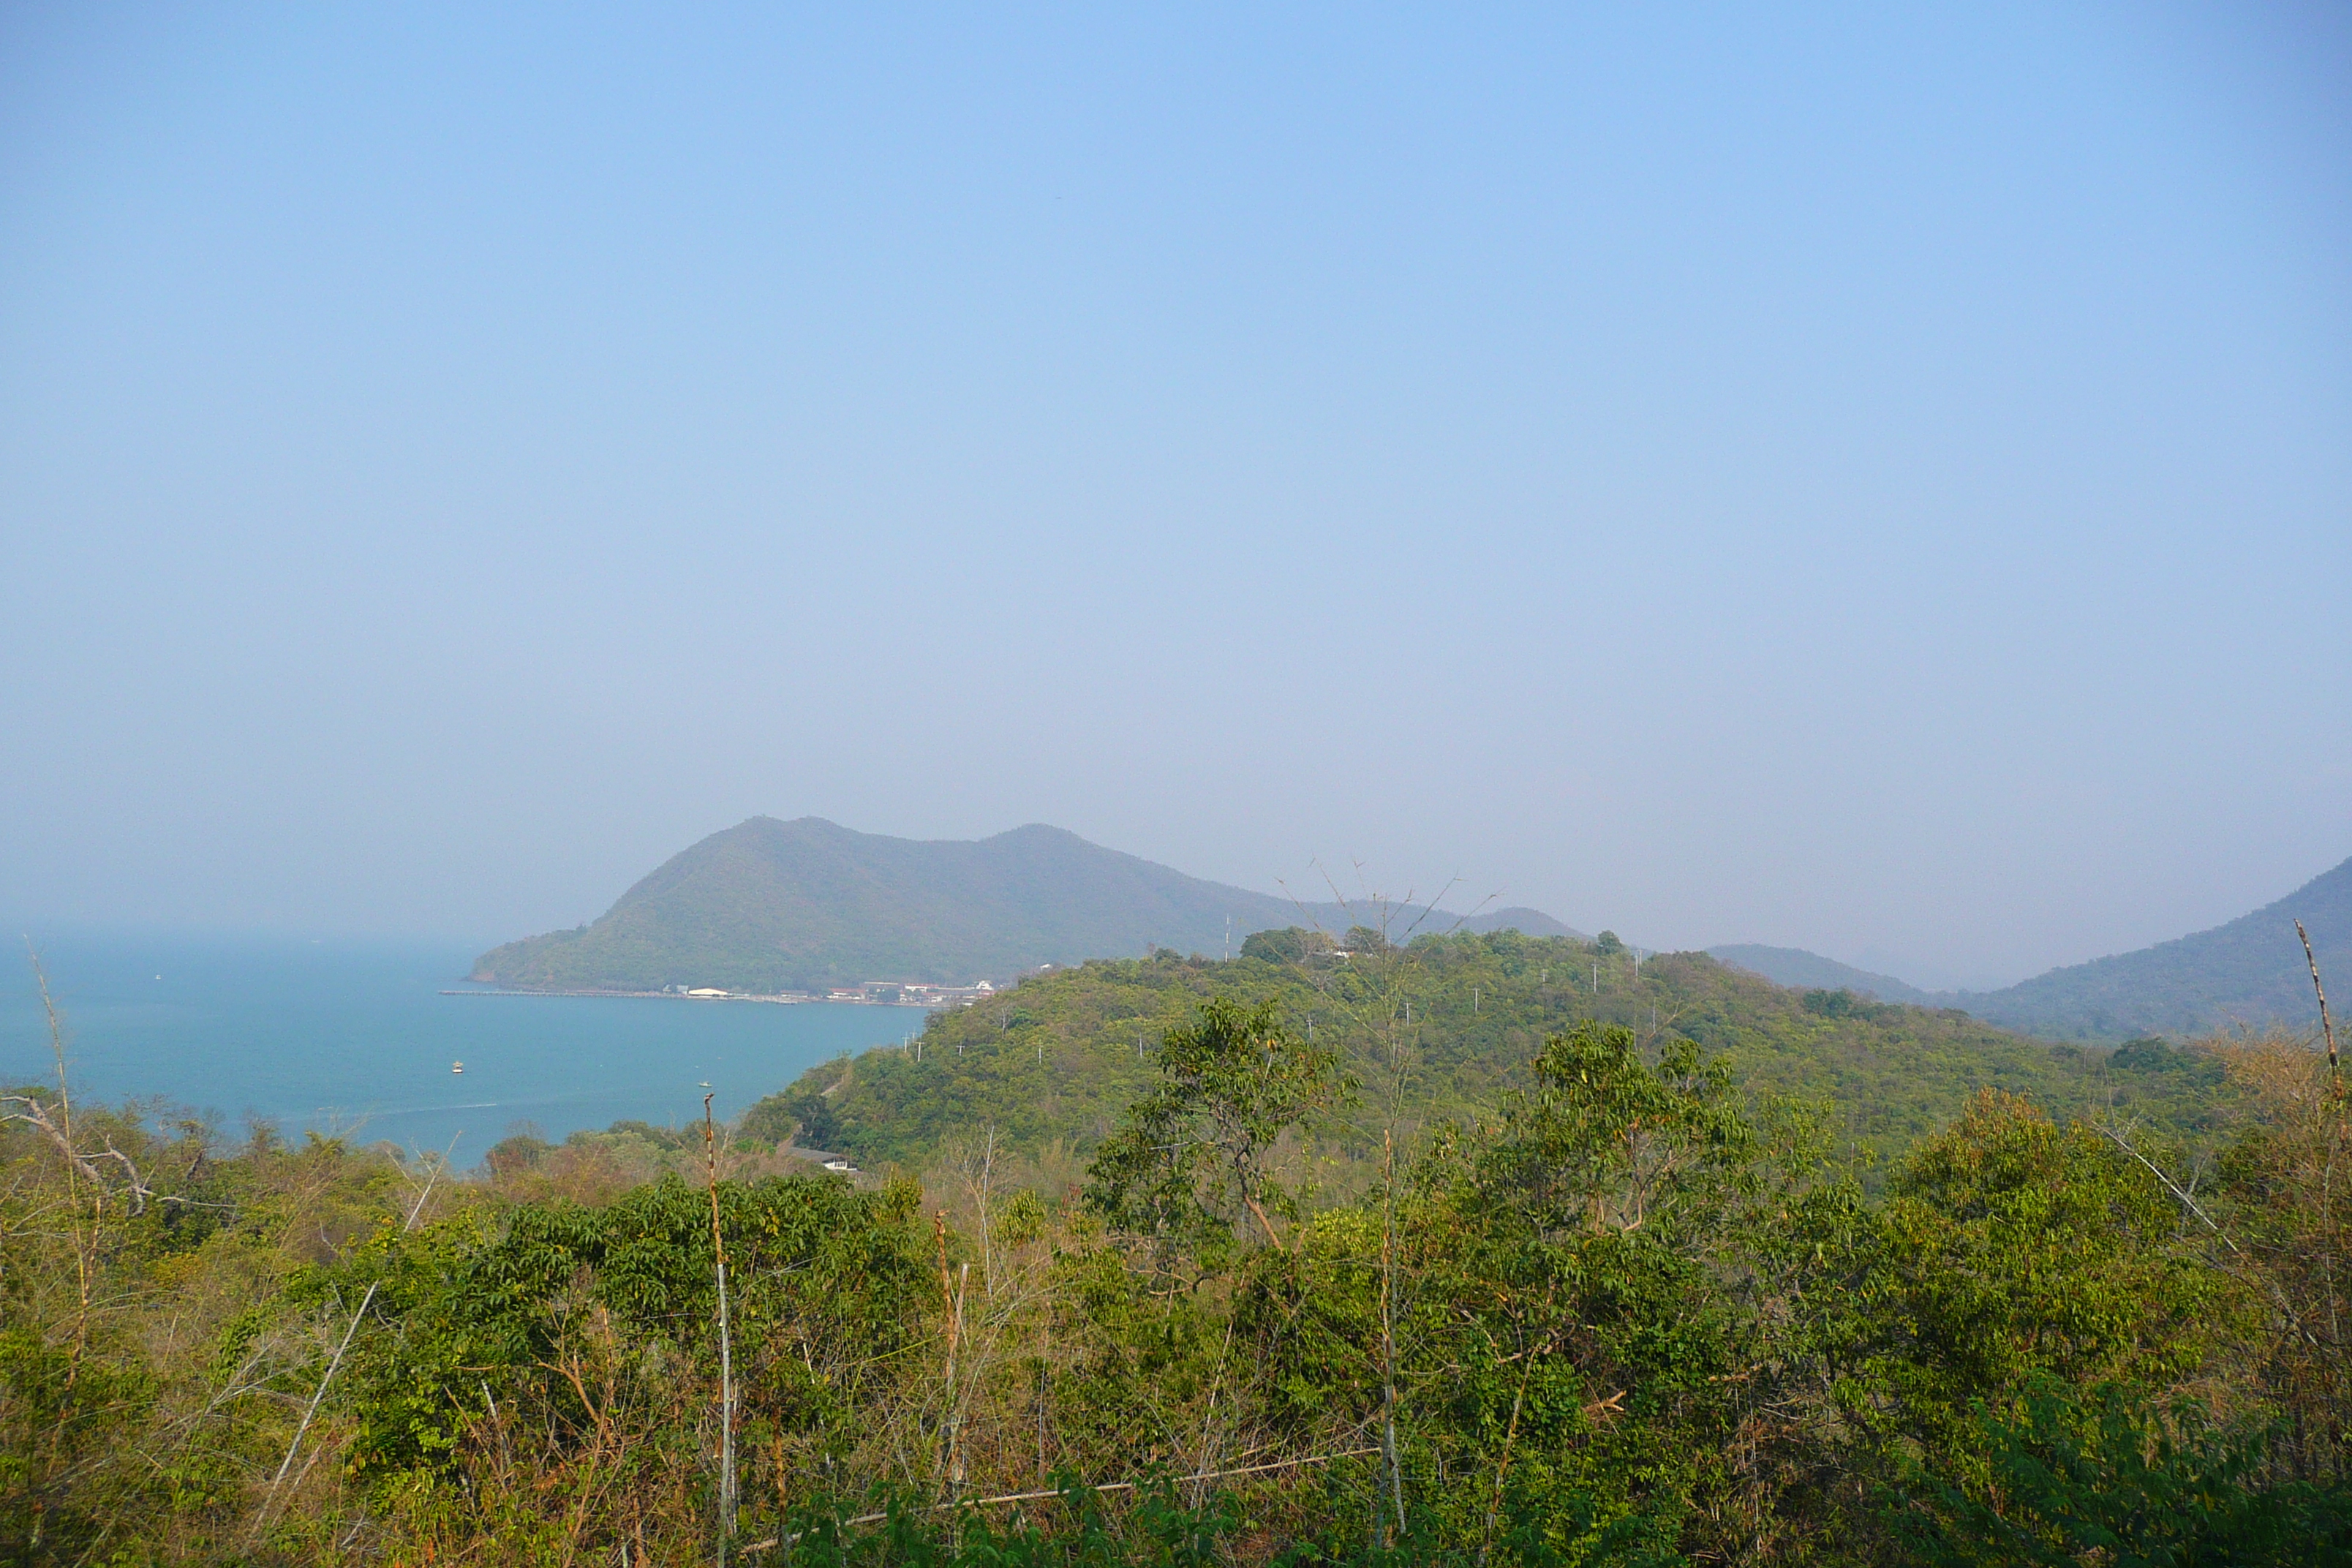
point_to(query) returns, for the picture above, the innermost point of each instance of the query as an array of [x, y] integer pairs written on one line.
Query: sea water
[[357, 1040]]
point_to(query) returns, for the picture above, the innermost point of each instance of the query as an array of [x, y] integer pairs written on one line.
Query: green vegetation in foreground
[[1449, 1022], [1628, 1320]]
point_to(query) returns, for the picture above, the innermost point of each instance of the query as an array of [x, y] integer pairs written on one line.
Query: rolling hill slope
[[1054, 1060], [2249, 971], [771, 905]]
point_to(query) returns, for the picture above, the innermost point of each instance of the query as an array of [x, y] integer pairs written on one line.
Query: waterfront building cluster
[[869, 993]]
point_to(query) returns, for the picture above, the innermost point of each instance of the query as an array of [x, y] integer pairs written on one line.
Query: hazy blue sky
[[1871, 480]]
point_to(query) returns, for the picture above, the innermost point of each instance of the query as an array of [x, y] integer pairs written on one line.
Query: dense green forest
[[1443, 1024], [1593, 1288]]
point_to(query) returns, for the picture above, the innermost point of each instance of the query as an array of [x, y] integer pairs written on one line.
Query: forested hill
[[2249, 971], [1054, 1060], [768, 906]]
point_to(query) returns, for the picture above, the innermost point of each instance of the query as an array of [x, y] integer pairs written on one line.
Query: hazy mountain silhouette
[[771, 905], [1809, 972], [2249, 972]]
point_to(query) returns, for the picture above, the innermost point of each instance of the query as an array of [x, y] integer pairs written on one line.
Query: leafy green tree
[[1606, 1141], [802, 1114], [1288, 945], [1192, 1160], [1580, 1335], [2014, 1247], [1838, 1003]]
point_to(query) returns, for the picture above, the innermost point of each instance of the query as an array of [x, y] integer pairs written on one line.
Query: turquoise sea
[[358, 1038]]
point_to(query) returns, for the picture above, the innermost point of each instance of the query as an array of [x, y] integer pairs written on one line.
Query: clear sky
[[1865, 479]]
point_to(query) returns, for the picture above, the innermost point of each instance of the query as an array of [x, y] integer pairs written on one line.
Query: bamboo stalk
[[952, 1307], [85, 1254], [726, 1347], [2326, 1027], [1388, 1318]]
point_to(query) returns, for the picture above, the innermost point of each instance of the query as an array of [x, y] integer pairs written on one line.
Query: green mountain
[[2249, 971], [1053, 1060], [1526, 922], [770, 906], [1795, 966]]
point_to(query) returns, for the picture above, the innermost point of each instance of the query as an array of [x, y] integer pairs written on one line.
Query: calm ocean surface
[[358, 1038]]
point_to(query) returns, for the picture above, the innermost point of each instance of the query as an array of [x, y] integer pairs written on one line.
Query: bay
[[357, 1040]]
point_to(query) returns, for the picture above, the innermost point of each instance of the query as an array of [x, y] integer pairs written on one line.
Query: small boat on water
[[456, 1067], [704, 1084]]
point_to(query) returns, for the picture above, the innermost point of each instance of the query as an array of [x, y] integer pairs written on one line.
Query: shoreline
[[784, 999]]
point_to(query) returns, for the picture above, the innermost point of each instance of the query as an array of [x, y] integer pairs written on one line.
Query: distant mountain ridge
[[768, 906], [2249, 971], [1793, 966]]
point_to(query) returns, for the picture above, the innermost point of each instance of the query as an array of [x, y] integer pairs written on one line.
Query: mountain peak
[[771, 905]]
